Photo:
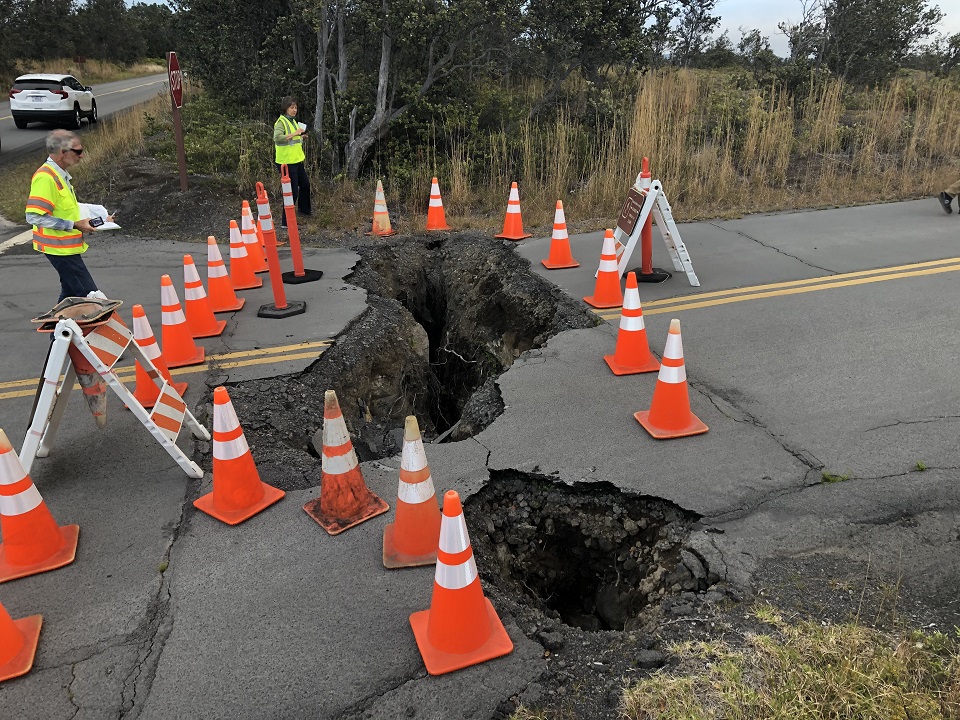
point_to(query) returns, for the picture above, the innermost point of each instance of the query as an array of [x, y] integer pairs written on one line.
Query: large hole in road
[[479, 306], [589, 554]]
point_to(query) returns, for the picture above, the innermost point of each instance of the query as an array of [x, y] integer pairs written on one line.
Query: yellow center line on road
[[759, 292], [225, 361], [112, 92]]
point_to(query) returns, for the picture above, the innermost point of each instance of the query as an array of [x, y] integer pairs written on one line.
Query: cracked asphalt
[[168, 614]]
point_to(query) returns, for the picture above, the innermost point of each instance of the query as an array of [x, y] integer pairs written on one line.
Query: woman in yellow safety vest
[[288, 147]]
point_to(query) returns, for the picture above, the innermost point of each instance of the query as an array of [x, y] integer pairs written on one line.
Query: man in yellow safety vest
[[288, 148], [54, 212]]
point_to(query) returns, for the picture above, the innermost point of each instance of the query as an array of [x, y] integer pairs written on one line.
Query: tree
[[153, 25], [865, 41], [694, 31], [106, 32]]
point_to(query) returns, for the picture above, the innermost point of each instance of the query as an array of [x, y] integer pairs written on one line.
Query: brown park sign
[[630, 212]]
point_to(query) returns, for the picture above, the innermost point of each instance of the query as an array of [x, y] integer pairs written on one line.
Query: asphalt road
[[818, 342], [111, 98]]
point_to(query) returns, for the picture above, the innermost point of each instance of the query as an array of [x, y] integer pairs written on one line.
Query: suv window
[[74, 83], [37, 85]]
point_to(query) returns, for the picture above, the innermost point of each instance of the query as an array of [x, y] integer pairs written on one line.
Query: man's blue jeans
[[75, 279]]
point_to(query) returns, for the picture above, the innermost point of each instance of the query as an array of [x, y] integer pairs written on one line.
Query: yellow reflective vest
[[291, 151], [50, 194]]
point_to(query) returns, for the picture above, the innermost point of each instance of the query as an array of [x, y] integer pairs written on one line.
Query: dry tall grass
[[89, 73], [719, 150]]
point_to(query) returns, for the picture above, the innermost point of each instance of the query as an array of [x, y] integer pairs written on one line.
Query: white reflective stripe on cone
[[225, 418], [21, 502], [190, 273], [194, 293], [230, 449], [266, 223], [513, 209], [11, 471], [436, 202], [453, 534], [631, 323], [413, 457], [335, 432], [672, 375], [514, 195], [631, 299], [560, 234], [173, 317], [674, 348], [608, 265], [416, 493], [456, 577], [338, 464], [151, 349], [238, 251], [218, 270]]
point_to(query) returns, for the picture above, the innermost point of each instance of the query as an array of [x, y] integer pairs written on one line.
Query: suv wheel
[[19, 122], [92, 117], [75, 120]]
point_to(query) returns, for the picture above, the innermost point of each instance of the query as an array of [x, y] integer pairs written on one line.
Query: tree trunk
[[357, 148]]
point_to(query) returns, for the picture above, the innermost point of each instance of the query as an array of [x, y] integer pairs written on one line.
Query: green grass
[[832, 478], [807, 671]]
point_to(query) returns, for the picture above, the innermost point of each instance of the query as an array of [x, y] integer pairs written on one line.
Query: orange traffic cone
[[238, 493], [669, 415], [178, 346], [560, 256], [381, 218], [222, 296], [606, 292], [146, 391], [436, 220], [461, 628], [18, 643], [345, 500], [258, 260], [632, 354], [513, 222], [412, 539], [197, 307], [242, 276], [32, 541]]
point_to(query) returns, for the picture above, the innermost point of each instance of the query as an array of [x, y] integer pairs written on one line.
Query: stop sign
[[175, 78]]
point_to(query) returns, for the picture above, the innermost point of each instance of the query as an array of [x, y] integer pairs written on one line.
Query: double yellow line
[[793, 287], [243, 358]]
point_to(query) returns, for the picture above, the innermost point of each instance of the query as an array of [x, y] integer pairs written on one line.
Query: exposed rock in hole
[[591, 554], [481, 308]]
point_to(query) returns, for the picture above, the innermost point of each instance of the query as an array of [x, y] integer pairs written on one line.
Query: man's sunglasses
[[78, 151]]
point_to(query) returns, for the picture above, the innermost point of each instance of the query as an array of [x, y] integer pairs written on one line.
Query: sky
[[766, 14]]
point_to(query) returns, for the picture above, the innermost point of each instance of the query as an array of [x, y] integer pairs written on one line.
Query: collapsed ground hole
[[589, 556]]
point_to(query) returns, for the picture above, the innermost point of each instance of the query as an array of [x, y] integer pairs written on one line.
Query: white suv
[[51, 98]]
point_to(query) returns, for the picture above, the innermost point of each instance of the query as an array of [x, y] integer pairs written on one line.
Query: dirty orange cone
[[669, 415], [258, 261], [18, 643], [461, 628], [606, 292], [632, 354], [436, 220], [513, 222], [381, 218], [32, 541], [146, 391], [560, 256], [242, 276], [178, 346], [412, 539], [238, 493], [197, 307], [221, 294], [345, 500]]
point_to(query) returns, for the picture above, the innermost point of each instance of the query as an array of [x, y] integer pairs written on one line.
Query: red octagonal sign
[[175, 78]]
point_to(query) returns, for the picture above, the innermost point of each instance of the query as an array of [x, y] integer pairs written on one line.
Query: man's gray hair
[[60, 140]]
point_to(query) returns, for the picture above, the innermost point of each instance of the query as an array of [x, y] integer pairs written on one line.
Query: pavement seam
[[771, 247], [914, 422]]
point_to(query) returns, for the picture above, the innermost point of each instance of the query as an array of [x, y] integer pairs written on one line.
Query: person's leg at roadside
[[947, 196], [75, 279], [302, 199]]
